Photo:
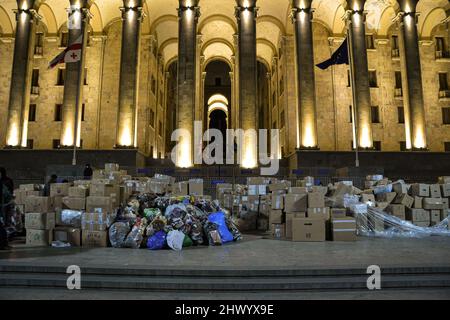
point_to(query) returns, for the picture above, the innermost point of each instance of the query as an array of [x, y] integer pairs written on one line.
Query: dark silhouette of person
[[88, 172], [5, 198], [53, 179], [6, 181]]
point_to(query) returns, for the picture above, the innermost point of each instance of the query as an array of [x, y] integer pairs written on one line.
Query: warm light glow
[[184, 156], [365, 140], [67, 139], [218, 98], [13, 135], [249, 154], [419, 138], [218, 106], [125, 139], [308, 136]]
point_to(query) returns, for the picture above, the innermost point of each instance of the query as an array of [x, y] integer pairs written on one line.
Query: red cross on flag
[[71, 54]]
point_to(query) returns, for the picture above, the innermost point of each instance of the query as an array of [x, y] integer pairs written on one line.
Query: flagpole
[[353, 84]]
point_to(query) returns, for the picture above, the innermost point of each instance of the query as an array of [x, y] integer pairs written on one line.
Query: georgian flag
[[71, 54]]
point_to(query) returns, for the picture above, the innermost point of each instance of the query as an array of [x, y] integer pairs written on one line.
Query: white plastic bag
[[175, 240]]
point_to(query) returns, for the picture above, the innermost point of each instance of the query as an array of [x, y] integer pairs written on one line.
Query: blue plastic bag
[[218, 218], [157, 241]]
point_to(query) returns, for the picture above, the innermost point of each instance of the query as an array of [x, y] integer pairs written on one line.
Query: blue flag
[[340, 56]]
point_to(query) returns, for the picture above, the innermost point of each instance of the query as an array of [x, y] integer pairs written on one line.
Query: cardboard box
[[295, 203], [397, 210], [382, 205], [368, 198], [298, 190], [445, 214], [74, 203], [323, 213], [38, 204], [343, 229], [68, 235], [196, 187], [182, 188], [405, 200], [289, 217], [39, 237], [59, 189], [420, 190], [433, 204], [435, 217], [376, 223], [435, 191], [284, 185], [257, 180], [276, 217], [416, 215], [445, 189], [386, 197], [400, 188], [77, 192], [102, 189], [57, 202], [95, 221], [94, 239], [27, 187], [307, 229], [338, 212], [40, 221], [316, 200], [445, 203], [418, 203], [277, 201], [103, 203], [20, 196], [111, 167], [321, 189], [443, 180]]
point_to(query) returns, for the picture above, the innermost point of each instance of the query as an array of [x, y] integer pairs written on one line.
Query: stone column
[[199, 108], [132, 15], [19, 98], [306, 88], [246, 14], [77, 25], [188, 15], [357, 38], [415, 125]]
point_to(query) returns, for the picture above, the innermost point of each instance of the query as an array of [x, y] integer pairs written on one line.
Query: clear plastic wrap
[[377, 223], [118, 233], [71, 218]]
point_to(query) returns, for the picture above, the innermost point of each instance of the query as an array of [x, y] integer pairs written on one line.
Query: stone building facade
[[218, 32]]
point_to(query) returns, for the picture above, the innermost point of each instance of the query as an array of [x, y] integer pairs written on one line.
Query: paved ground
[[62, 294], [253, 252]]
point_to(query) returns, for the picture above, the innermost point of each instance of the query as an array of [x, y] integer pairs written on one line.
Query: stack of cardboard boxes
[[39, 220], [422, 204]]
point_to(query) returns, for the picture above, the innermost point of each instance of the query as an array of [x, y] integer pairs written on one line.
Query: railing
[[398, 92], [35, 90], [395, 53], [442, 54], [444, 94], [38, 50]]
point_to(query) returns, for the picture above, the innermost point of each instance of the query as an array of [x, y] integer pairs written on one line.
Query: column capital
[[183, 8], [238, 10], [295, 11], [139, 10], [31, 12], [401, 15]]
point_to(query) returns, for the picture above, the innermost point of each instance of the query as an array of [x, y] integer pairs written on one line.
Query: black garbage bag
[[212, 232]]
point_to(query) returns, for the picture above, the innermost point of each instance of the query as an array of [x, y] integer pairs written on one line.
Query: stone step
[[337, 282], [223, 272]]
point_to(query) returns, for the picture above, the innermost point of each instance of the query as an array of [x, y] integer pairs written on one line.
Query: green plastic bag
[[187, 242]]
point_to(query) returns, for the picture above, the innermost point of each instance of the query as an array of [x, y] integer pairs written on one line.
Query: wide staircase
[[235, 280]]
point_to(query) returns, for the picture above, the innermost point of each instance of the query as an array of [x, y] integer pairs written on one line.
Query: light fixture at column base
[[119, 147], [419, 150], [303, 148], [14, 148]]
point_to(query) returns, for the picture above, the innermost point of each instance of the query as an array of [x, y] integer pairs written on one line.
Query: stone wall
[[6, 61]]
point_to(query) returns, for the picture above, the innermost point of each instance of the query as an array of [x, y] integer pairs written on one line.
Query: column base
[[419, 150], [13, 148], [118, 147], [66, 147], [302, 148]]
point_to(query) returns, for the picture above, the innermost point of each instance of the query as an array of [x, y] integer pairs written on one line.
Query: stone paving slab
[[252, 253]]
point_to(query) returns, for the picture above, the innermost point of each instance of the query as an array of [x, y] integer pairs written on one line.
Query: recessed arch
[[217, 40], [217, 58], [273, 20], [166, 43], [162, 19], [111, 23], [96, 21], [6, 26], [218, 98], [217, 17], [434, 18]]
